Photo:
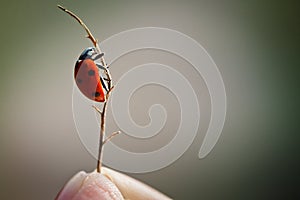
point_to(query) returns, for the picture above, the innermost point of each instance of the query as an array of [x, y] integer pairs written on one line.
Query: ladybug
[[88, 77]]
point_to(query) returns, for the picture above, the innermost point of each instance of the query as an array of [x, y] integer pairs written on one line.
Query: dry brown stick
[[110, 87], [102, 130], [102, 133]]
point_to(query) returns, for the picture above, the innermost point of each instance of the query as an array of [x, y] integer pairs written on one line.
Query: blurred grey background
[[255, 44]]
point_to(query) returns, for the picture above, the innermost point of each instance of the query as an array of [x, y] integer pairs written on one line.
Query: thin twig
[[90, 35], [111, 136], [102, 131], [97, 109], [110, 87]]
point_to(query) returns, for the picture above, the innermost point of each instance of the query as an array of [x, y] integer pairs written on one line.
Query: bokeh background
[[255, 44]]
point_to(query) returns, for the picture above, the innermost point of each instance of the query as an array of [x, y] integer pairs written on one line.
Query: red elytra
[[87, 78]]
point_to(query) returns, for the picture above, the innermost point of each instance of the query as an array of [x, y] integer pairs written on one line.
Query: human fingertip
[[90, 186]]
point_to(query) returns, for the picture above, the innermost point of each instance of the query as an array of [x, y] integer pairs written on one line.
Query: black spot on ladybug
[[91, 72], [96, 94], [79, 80]]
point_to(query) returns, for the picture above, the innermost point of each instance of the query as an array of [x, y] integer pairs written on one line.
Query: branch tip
[[62, 8]]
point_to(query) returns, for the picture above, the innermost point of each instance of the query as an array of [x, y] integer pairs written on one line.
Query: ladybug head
[[88, 53]]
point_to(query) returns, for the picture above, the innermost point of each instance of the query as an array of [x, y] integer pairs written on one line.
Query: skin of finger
[[131, 188], [89, 186], [72, 186]]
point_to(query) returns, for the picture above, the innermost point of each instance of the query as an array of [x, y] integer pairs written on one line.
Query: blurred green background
[[255, 44]]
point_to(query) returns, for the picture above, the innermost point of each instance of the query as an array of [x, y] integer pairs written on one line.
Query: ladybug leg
[[108, 82], [98, 56], [103, 83], [100, 66], [107, 66]]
